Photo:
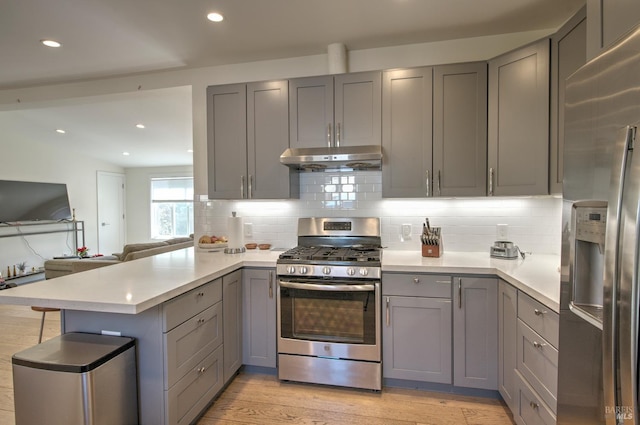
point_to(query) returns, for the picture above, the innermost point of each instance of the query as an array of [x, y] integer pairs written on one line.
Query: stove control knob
[[326, 270], [351, 271], [364, 272], [303, 270], [291, 269]]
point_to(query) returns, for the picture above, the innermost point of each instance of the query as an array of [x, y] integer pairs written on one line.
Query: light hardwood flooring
[[262, 399]]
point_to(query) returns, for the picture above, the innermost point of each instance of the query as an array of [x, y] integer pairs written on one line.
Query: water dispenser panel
[[591, 224]]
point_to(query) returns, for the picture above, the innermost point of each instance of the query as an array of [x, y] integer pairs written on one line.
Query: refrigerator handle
[[610, 352]]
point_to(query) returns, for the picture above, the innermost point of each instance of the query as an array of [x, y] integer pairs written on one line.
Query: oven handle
[[337, 287]]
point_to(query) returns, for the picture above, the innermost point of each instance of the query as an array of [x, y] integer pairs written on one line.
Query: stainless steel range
[[329, 304]]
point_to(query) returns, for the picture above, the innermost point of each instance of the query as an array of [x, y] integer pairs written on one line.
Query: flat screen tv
[[32, 201]]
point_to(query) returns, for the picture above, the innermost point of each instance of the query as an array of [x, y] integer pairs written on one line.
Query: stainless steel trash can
[[76, 378]]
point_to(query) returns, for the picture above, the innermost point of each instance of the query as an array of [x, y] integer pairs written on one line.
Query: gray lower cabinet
[[475, 332], [416, 327], [259, 317], [518, 122], [340, 110], [247, 130], [232, 323], [568, 53], [507, 340]]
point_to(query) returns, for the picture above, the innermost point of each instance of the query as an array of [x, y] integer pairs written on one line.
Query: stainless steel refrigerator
[[598, 351]]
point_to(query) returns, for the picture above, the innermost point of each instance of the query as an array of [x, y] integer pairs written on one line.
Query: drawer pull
[[538, 345], [443, 281], [416, 280], [539, 312], [201, 294], [534, 405], [388, 314], [201, 320], [201, 370]]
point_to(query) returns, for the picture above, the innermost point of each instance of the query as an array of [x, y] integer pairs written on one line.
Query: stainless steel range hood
[[332, 158]]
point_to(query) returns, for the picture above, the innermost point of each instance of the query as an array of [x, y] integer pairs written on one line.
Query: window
[[171, 207]]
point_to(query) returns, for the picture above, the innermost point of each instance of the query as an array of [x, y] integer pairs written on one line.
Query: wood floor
[[262, 399]]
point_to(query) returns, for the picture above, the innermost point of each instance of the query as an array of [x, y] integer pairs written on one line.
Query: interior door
[[111, 218]]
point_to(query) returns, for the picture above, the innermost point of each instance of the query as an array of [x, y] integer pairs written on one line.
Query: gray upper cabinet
[[407, 102], [460, 130], [232, 323], [259, 324], [475, 332], [340, 110], [227, 141], [518, 123], [247, 131], [568, 53], [607, 21], [507, 343]]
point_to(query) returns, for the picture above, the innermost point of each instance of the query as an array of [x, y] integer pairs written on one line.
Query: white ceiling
[[117, 37]]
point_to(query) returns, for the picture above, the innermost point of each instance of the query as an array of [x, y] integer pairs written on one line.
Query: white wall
[[31, 160], [138, 198]]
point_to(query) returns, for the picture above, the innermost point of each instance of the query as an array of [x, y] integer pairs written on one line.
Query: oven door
[[334, 319]]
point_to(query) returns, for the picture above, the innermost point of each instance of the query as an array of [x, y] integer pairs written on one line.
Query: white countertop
[[135, 286]]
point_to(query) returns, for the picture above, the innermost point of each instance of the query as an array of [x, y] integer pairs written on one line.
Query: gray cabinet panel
[[568, 53], [607, 21], [267, 138], [407, 132], [518, 129], [460, 130], [310, 112], [232, 323], [475, 332], [507, 342], [417, 339], [539, 318], [177, 310], [227, 141], [358, 100], [259, 318], [530, 409]]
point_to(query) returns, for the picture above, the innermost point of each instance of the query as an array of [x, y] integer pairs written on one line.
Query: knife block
[[431, 250]]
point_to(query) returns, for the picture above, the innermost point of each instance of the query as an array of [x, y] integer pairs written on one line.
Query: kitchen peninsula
[[143, 298]]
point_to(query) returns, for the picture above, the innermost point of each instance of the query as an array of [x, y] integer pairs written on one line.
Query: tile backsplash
[[468, 224]]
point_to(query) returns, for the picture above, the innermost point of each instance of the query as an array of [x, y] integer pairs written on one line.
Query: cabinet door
[[417, 339], [568, 53], [475, 332], [311, 112], [460, 130], [519, 122], [227, 141], [607, 21], [232, 323], [358, 105], [259, 324], [407, 133], [267, 138], [507, 343]]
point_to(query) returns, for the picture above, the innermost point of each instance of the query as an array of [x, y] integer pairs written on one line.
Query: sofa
[[60, 267]]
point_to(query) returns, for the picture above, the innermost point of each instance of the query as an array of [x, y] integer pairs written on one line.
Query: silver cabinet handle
[[241, 187], [439, 188], [270, 283], [338, 135], [491, 181], [329, 135], [459, 292], [534, 405], [538, 312], [416, 280], [202, 370], [201, 320], [538, 345], [428, 183], [250, 187], [200, 294], [388, 313]]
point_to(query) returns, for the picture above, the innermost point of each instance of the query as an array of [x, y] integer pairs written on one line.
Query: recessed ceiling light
[[215, 17], [125, 153], [140, 125], [51, 43], [61, 131]]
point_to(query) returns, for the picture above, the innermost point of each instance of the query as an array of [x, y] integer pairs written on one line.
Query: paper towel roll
[[236, 235]]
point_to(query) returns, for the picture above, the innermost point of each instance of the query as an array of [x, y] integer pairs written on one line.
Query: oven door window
[[331, 316]]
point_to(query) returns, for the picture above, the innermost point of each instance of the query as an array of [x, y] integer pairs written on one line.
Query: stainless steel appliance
[[598, 352], [328, 303], [505, 250]]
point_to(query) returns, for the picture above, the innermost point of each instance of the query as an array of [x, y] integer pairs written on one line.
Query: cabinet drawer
[[529, 407], [190, 342], [538, 363], [185, 400], [539, 318], [185, 306], [416, 285]]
